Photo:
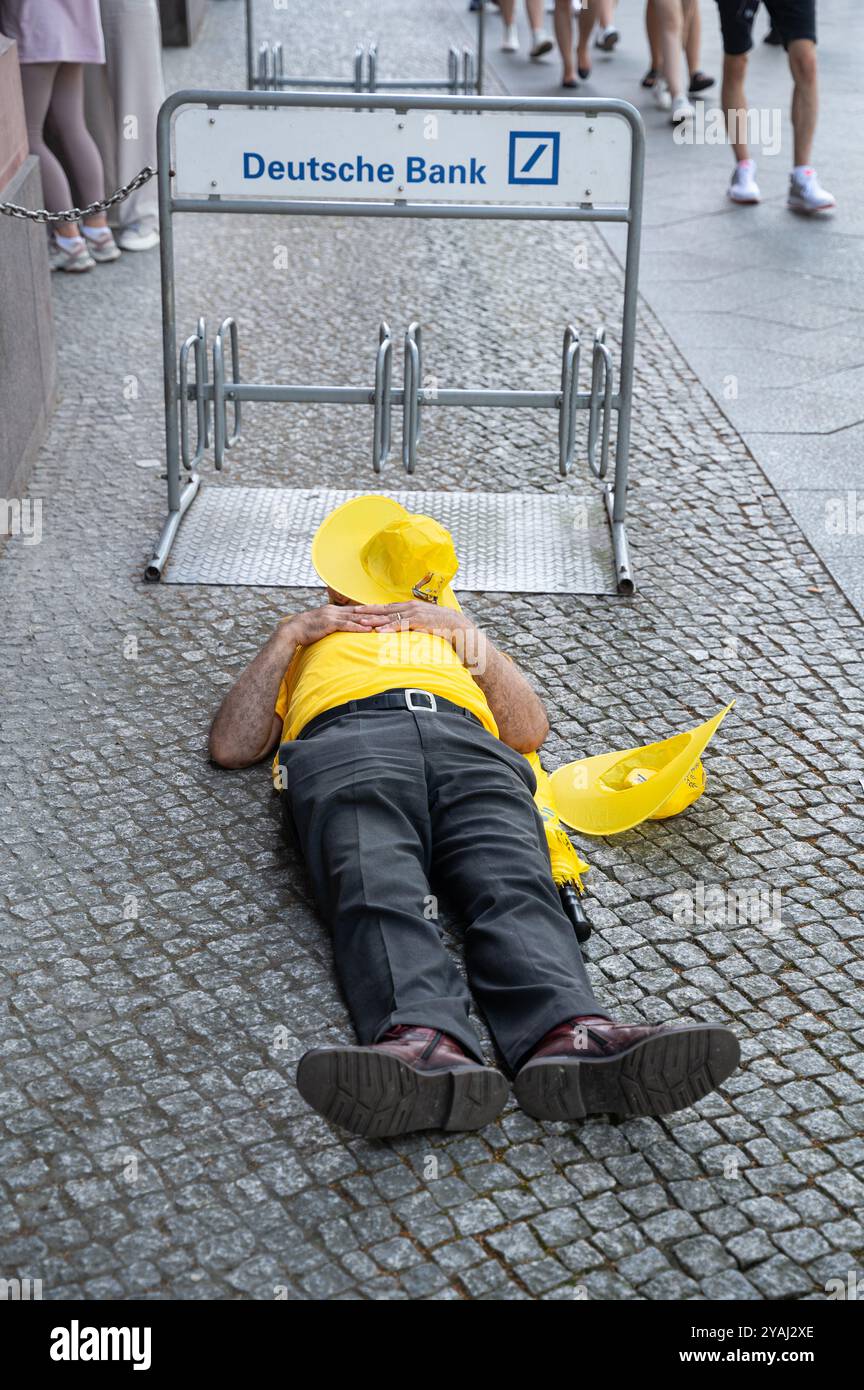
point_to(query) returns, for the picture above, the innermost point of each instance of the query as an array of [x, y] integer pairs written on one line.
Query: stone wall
[[27, 355]]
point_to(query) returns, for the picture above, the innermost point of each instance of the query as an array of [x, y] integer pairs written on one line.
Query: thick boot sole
[[375, 1094], [667, 1072]]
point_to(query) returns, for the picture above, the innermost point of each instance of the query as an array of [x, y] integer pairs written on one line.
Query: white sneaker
[[607, 39], [541, 44], [74, 259], [132, 238], [103, 247], [744, 188], [806, 194], [511, 39], [682, 110], [661, 95]]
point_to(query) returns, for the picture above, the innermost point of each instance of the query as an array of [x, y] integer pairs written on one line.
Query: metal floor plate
[[523, 542]]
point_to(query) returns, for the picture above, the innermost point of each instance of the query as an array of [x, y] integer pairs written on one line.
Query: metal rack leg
[[153, 572], [620, 549], [382, 399], [411, 388], [250, 48]]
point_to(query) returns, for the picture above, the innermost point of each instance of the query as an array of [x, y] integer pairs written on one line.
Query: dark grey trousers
[[386, 803]]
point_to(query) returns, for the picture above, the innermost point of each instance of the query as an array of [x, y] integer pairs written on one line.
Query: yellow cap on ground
[[612, 792], [683, 796]]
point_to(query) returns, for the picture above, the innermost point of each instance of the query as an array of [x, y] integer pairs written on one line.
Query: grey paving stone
[[516, 1245], [644, 1265], [702, 1256], [602, 1284], [729, 1286], [580, 1256], [670, 1225], [459, 1254], [780, 1278], [477, 1216], [541, 1275], [558, 1227], [751, 1247], [671, 1287], [848, 1233], [803, 1245], [615, 1244]]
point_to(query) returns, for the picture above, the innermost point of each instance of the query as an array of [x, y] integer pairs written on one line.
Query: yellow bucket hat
[[372, 550], [612, 792]]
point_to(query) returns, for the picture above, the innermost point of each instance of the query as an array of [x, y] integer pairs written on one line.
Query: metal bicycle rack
[[265, 68], [214, 133]]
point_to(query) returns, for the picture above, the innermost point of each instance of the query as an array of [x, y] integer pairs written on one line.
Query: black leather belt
[[412, 700]]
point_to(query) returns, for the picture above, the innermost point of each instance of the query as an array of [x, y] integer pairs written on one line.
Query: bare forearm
[[519, 712], [246, 726], [242, 730]]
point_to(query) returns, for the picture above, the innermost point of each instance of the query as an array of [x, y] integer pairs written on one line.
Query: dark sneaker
[[414, 1078], [592, 1066], [540, 45]]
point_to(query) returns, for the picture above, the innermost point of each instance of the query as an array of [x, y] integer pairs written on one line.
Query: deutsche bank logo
[[533, 156]]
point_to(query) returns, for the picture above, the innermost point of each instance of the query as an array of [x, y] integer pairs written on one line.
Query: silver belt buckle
[[427, 695]]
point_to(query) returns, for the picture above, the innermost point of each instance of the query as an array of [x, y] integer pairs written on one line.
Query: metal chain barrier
[[78, 214]]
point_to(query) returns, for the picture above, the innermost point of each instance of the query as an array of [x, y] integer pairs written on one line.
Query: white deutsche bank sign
[[417, 155]]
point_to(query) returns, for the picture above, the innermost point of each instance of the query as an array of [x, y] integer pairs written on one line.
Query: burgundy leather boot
[[592, 1066], [414, 1078]]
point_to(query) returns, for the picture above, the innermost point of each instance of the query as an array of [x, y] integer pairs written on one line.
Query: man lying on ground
[[400, 731]]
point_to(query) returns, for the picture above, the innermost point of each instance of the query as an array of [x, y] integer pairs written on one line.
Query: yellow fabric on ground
[[567, 867]]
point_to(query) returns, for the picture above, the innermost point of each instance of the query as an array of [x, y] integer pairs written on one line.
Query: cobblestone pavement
[[162, 969]]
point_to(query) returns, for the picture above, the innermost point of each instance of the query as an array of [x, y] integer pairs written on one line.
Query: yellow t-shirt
[[351, 665]]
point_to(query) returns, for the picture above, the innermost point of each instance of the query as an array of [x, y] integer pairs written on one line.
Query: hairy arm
[[518, 711], [246, 728]]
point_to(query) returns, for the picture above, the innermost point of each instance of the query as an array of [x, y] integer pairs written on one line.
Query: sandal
[[650, 78]]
